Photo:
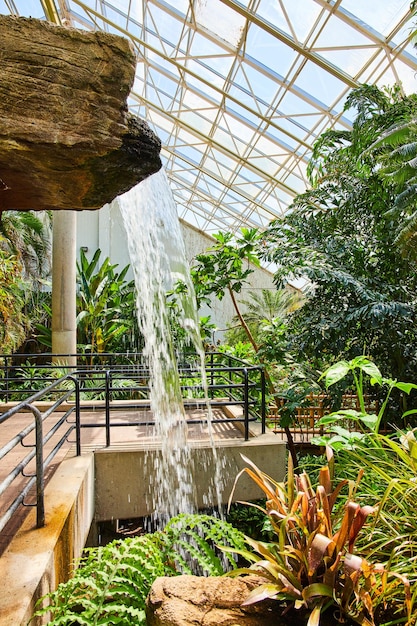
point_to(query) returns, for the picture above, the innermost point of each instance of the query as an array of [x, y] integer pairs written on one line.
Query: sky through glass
[[238, 91]]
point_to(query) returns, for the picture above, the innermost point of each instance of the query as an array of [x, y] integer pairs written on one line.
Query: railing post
[[263, 402], [40, 479], [246, 403], [77, 416], [107, 402]]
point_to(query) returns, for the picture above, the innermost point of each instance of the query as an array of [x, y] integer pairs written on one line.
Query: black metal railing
[[110, 382], [35, 445]]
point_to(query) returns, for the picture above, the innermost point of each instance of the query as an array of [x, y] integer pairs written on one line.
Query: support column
[[64, 335]]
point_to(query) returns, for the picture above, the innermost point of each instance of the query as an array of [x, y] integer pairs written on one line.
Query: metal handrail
[[239, 385], [37, 451]]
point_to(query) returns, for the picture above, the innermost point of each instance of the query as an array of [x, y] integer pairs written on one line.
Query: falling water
[[158, 261]]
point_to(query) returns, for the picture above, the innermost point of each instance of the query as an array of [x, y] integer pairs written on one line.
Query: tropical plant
[[225, 268], [13, 322], [340, 236], [106, 309], [395, 153], [24, 264], [264, 310], [364, 422], [389, 463], [311, 566], [250, 520], [111, 583], [106, 319], [27, 235]]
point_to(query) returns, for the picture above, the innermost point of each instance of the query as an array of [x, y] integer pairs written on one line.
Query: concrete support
[[125, 476], [39, 559], [64, 335]]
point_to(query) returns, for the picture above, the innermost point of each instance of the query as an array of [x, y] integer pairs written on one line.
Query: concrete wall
[[104, 229], [123, 475], [38, 559]]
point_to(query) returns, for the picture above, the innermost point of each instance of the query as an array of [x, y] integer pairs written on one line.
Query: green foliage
[[226, 265], [24, 264], [225, 268], [106, 310], [366, 423], [191, 544], [27, 235], [311, 564], [340, 236], [395, 152], [389, 482], [111, 583], [265, 313], [12, 319], [250, 520]]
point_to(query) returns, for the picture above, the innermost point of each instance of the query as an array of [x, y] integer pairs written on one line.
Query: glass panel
[[28, 8], [220, 19], [269, 50], [294, 17], [319, 83], [381, 15]]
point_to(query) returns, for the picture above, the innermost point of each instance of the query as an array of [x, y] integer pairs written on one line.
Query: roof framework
[[238, 91]]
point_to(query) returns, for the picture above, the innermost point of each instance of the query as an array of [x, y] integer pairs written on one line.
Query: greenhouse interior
[[208, 312]]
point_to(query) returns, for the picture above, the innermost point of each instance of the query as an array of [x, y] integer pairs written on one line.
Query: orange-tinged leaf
[[323, 499], [341, 537], [325, 480], [318, 548], [333, 496], [358, 521]]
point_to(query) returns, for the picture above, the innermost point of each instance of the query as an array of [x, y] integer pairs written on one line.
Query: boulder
[[67, 140], [213, 601]]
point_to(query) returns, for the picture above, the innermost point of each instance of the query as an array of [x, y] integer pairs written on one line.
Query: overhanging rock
[[67, 140]]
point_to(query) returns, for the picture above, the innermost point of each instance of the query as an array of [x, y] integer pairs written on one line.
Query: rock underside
[[67, 140]]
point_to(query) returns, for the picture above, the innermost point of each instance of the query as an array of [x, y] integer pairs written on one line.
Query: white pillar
[[64, 334]]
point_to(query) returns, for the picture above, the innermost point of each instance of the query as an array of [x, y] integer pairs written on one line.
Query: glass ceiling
[[238, 91]]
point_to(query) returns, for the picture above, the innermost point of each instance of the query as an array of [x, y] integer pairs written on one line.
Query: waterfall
[[158, 261]]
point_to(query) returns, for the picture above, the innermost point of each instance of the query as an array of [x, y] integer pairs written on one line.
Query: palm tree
[[395, 152], [27, 235], [264, 308]]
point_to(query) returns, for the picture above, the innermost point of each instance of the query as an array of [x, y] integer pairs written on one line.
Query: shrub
[[310, 565], [111, 583]]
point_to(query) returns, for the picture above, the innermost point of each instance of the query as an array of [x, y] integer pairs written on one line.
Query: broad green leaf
[[317, 589], [336, 372], [406, 387], [372, 370]]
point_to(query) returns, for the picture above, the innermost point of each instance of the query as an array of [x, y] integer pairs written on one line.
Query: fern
[[112, 582], [194, 542]]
